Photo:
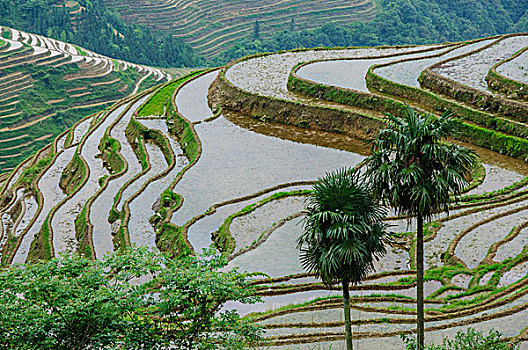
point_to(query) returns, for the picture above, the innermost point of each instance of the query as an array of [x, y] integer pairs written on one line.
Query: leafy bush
[[469, 340], [135, 299]]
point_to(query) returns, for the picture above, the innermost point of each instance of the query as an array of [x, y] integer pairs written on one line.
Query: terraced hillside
[[227, 156], [47, 85], [210, 26]]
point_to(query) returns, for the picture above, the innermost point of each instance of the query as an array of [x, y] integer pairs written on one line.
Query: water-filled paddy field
[[255, 174]]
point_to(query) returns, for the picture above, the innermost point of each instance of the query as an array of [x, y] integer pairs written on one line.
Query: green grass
[[40, 247], [170, 240], [80, 51], [81, 228], [30, 174], [157, 104]]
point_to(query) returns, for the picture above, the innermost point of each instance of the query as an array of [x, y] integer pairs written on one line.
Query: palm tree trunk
[[348, 325], [420, 283]]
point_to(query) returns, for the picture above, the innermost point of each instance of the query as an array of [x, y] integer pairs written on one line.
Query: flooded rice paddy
[[473, 69], [242, 156]]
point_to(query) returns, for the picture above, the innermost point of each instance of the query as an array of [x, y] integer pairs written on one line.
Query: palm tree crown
[[412, 169], [343, 233]]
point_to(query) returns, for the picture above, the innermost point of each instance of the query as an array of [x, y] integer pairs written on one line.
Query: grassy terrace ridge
[[157, 104], [510, 132], [206, 23], [514, 89], [160, 102]]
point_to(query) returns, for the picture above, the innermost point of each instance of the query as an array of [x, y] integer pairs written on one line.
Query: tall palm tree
[[343, 233], [414, 170]]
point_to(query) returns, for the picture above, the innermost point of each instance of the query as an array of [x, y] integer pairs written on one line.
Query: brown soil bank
[[223, 93]]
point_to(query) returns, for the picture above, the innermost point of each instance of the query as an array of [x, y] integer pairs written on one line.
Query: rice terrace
[[210, 26], [227, 156]]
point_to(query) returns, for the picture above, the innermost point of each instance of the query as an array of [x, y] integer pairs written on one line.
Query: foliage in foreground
[[470, 340], [132, 300]]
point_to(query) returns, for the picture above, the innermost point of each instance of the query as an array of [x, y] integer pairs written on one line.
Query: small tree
[[412, 170], [256, 30], [131, 300], [343, 233], [191, 293]]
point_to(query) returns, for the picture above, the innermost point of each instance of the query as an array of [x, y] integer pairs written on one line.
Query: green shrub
[[469, 340]]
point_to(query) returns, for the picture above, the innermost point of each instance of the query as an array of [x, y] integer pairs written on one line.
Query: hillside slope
[[47, 85], [210, 26], [92, 25], [227, 157], [400, 22], [225, 30]]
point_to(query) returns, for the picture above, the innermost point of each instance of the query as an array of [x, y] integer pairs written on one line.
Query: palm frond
[[341, 216]]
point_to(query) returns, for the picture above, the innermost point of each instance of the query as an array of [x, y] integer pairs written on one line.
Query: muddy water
[[473, 248], [514, 247], [407, 73], [212, 223], [52, 194], [15, 177], [61, 142], [80, 131], [507, 325], [472, 70], [496, 178], [141, 233], [31, 210], [236, 162], [473, 245], [275, 302], [513, 275], [486, 278], [196, 90], [8, 222], [247, 229], [143, 204], [380, 327], [29, 204], [501, 171], [299, 135], [348, 74], [138, 182], [516, 69], [327, 315], [268, 75], [102, 229], [63, 222], [462, 280], [277, 256]]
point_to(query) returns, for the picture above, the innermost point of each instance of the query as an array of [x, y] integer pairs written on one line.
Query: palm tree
[[414, 171], [343, 233]]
